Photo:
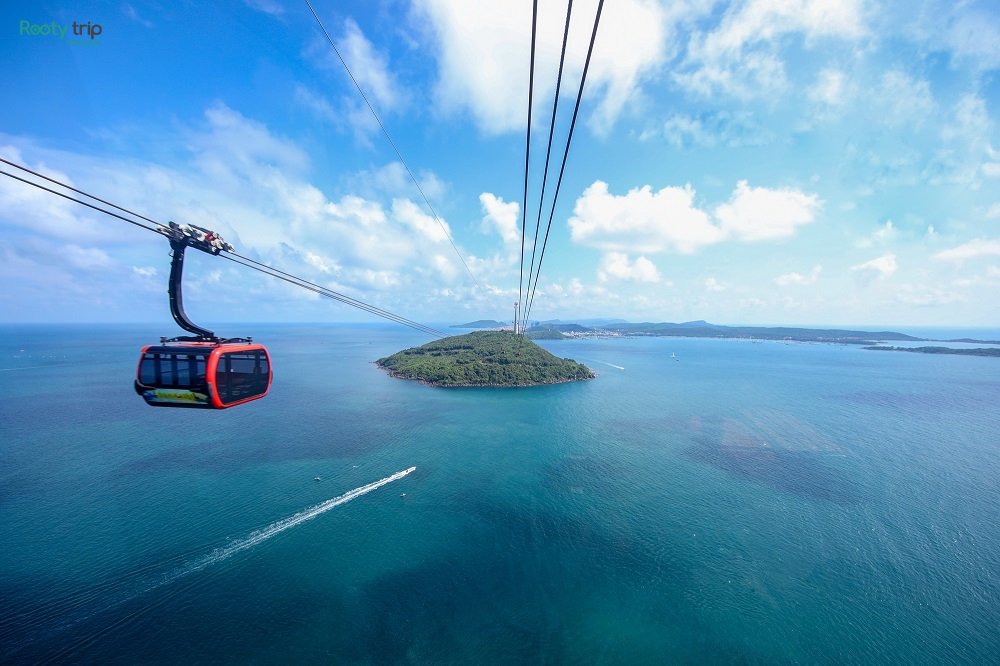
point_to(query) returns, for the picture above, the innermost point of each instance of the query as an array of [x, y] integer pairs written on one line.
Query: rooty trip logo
[[58, 30]]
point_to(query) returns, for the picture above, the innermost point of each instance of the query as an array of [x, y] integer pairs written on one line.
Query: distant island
[[483, 358], [544, 333], [979, 351], [703, 329], [481, 323], [610, 328]]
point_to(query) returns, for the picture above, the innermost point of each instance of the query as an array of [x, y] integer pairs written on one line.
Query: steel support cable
[[84, 203], [393, 144], [527, 155], [329, 293], [548, 152], [569, 140], [89, 196], [277, 272], [301, 282], [349, 300]]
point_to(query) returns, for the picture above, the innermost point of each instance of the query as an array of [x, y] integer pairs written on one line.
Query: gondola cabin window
[[174, 370], [241, 375]]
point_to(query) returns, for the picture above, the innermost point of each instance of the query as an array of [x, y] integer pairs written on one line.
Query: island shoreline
[[483, 359], [397, 375]]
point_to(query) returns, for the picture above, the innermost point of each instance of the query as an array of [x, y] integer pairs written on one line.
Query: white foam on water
[[79, 607], [612, 365], [261, 535]]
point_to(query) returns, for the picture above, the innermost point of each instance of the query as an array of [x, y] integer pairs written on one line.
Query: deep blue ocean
[[745, 503]]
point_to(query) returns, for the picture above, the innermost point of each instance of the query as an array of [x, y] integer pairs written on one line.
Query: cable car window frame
[[180, 365], [237, 382]]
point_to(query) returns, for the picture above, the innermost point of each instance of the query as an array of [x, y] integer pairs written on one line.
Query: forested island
[[701, 329], [604, 328], [544, 333], [979, 351], [483, 358], [704, 329]]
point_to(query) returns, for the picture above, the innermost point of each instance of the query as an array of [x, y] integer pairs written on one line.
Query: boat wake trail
[[55, 616], [278, 527], [612, 365]]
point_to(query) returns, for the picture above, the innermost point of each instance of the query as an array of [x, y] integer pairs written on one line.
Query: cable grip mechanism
[[181, 237]]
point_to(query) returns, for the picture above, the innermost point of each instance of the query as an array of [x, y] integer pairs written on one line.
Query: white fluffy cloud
[[501, 216], [881, 235], [319, 105], [369, 67], [372, 71], [902, 99], [798, 278], [972, 34], [711, 284], [969, 120], [616, 266], [924, 296], [880, 267], [759, 213], [630, 44], [267, 6], [830, 97], [413, 216], [756, 21], [830, 89], [645, 221], [251, 186], [713, 129], [980, 247], [243, 144], [641, 220], [739, 57], [41, 212], [86, 258], [966, 31]]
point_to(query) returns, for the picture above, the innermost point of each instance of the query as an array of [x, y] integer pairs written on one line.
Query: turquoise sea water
[[762, 503]]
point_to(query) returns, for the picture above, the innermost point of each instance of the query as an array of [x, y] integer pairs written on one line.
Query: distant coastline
[[557, 330], [978, 351]]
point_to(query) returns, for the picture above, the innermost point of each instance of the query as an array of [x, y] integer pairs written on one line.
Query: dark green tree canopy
[[484, 358]]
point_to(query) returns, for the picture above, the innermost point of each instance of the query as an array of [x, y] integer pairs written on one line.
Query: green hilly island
[[483, 358]]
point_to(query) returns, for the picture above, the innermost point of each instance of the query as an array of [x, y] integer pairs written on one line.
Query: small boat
[[673, 355], [402, 494], [316, 478]]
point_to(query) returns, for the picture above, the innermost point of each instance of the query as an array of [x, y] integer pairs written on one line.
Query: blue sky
[[765, 161]]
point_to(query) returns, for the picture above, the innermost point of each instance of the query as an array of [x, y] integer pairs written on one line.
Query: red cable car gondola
[[203, 374], [202, 371]]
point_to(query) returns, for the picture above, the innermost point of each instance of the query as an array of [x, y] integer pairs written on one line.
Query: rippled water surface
[[745, 502]]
